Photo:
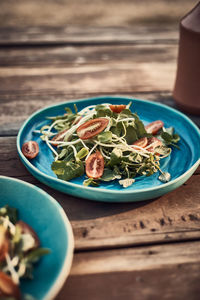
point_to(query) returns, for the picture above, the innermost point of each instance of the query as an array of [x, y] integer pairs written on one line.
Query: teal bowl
[[181, 163], [48, 219]]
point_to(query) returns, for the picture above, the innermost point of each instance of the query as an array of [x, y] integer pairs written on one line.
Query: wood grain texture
[[41, 77], [172, 217], [46, 76], [105, 78], [92, 13], [48, 35], [153, 272], [14, 109], [66, 56], [70, 72], [143, 251]]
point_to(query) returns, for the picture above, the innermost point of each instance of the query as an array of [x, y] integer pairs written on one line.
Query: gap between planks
[[59, 36], [137, 258], [150, 273]]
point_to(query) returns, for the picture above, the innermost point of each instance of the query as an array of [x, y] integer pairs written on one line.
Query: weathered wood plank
[[69, 72], [154, 272], [172, 217], [48, 35], [92, 13], [14, 109], [63, 56], [105, 77]]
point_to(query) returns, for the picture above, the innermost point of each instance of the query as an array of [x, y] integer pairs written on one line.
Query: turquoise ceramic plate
[[48, 219], [181, 163]]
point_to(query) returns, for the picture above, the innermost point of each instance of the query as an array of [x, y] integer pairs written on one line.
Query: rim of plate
[[56, 287], [68, 183]]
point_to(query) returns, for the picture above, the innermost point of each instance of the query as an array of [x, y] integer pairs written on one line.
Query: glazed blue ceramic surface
[[48, 219], [181, 163]]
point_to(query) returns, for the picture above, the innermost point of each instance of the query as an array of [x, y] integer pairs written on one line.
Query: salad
[[19, 251], [106, 142]]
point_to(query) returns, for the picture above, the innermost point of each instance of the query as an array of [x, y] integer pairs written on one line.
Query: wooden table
[[146, 250]]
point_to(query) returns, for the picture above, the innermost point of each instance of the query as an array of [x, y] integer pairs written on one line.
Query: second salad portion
[[19, 252], [106, 142]]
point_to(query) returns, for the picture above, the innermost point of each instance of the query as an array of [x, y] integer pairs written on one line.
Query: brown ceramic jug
[[187, 84]]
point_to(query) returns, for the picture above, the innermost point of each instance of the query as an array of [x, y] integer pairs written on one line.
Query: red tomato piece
[[25, 228], [91, 128], [95, 165], [117, 108], [141, 142], [59, 137], [4, 244], [154, 127], [8, 287], [156, 143], [30, 149]]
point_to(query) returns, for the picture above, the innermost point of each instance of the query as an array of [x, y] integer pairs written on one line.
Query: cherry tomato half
[[30, 149], [8, 287], [25, 228], [141, 142], [156, 143], [154, 127], [117, 108], [95, 165], [4, 244], [91, 128], [59, 137]]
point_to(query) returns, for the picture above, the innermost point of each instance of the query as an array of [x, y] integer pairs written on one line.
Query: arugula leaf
[[102, 111], [169, 138], [126, 113], [118, 129], [131, 135], [105, 137], [109, 175], [139, 126], [67, 170], [115, 157]]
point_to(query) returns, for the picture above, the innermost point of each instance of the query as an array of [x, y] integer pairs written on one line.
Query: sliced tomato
[[141, 142], [4, 244], [117, 108], [155, 143], [154, 127], [25, 228], [8, 287], [30, 149], [95, 165], [91, 128], [59, 137]]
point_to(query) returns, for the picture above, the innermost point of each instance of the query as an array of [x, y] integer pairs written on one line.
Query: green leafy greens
[[23, 252], [122, 159]]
